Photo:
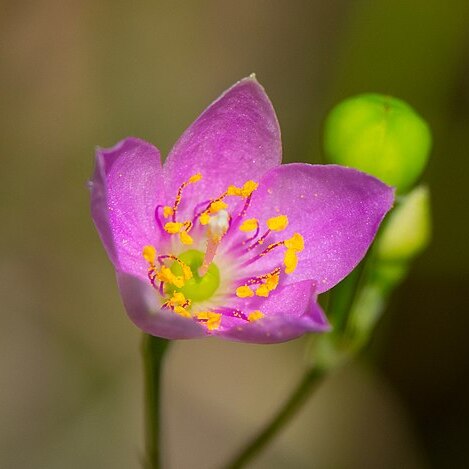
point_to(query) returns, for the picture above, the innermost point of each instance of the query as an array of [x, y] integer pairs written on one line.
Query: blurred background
[[76, 74]]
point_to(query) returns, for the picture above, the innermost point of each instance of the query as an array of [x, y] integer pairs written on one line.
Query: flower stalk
[[153, 353]]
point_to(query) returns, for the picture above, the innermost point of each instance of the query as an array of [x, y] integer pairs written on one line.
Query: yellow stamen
[[173, 227], [182, 312], [248, 188], [185, 238], [249, 225], [195, 178], [233, 190], [263, 290], [244, 292], [296, 242], [271, 281], [217, 205], [213, 208], [178, 298], [290, 260], [255, 316], [213, 319], [277, 223], [186, 271], [167, 211], [149, 254], [165, 275], [204, 218]]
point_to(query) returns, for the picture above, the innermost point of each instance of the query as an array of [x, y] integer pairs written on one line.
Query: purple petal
[[337, 210], [125, 189], [235, 139], [143, 308], [289, 312]]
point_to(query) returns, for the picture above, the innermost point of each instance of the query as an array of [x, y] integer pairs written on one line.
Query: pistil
[[217, 227]]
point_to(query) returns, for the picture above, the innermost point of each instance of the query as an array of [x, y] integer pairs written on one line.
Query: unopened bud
[[408, 228], [379, 135]]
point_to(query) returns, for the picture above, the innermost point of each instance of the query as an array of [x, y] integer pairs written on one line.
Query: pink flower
[[223, 240]]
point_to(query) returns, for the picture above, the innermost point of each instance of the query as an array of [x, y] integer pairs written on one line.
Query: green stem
[[305, 387], [342, 296], [153, 351]]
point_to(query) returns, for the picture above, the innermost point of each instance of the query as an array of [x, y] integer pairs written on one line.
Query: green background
[[77, 74]]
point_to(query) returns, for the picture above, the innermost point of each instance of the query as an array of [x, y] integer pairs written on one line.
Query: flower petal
[[143, 308], [235, 139], [337, 210], [288, 313], [125, 189]]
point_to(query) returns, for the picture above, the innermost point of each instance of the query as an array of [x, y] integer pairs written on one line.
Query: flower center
[[198, 288], [188, 280]]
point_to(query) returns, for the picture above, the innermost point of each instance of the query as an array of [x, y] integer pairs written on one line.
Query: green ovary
[[197, 288]]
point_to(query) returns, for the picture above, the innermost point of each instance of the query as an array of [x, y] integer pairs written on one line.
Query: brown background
[[76, 74]]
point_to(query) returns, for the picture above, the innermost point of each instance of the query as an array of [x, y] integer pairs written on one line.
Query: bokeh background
[[76, 74]]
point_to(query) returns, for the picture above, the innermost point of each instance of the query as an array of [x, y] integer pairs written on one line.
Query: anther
[[255, 316], [249, 225], [277, 223], [173, 227], [204, 218], [185, 238], [167, 211], [182, 311], [149, 254], [296, 242], [217, 205], [186, 270], [212, 320], [244, 292], [290, 260], [165, 275], [263, 290]]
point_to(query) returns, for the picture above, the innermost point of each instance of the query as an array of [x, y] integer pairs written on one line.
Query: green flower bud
[[407, 230], [379, 135]]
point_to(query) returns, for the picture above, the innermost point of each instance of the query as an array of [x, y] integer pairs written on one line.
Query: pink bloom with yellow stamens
[[222, 240]]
